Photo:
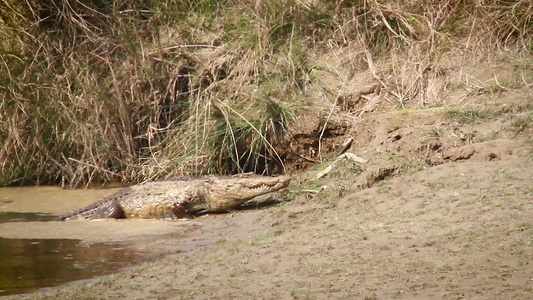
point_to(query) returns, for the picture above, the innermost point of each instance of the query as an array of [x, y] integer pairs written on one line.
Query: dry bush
[[99, 91]]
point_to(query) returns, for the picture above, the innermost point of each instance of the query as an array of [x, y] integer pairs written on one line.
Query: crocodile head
[[228, 191]]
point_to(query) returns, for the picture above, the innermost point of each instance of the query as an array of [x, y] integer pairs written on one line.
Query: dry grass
[[128, 90]]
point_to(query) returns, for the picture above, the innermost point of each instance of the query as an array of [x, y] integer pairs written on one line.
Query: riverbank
[[454, 225]]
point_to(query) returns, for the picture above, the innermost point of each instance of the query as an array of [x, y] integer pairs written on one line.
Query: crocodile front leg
[[180, 211], [190, 201]]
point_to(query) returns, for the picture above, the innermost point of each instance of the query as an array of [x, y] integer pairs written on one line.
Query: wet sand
[[95, 231]]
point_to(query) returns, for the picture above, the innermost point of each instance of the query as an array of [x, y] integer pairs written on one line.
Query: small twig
[[345, 146], [302, 157], [524, 80], [188, 46], [325, 125], [372, 70], [329, 117], [386, 23], [347, 157], [311, 191], [93, 166], [498, 84]]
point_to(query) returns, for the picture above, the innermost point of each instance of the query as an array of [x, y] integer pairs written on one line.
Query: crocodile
[[181, 197]]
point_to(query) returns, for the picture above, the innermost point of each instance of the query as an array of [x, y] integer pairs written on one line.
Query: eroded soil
[[443, 209]]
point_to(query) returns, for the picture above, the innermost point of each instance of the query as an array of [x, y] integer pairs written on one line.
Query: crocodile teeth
[[263, 186]]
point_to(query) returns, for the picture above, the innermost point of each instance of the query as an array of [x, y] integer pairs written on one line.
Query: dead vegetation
[[100, 91]]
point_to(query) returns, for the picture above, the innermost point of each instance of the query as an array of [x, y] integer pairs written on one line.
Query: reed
[[100, 91]]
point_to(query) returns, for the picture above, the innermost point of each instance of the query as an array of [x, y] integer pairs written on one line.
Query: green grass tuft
[[469, 116]]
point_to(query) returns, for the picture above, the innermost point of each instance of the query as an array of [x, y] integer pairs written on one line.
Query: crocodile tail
[[116, 212]]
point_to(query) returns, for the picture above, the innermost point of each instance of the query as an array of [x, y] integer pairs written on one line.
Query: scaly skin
[[181, 197]]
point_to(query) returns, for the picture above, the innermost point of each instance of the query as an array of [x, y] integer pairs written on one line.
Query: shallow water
[[48, 199], [12, 216], [29, 264], [37, 251]]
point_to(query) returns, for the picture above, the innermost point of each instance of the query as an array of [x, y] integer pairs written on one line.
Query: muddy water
[[38, 251], [28, 264]]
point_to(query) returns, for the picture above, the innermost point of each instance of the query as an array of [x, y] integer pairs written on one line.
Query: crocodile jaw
[[229, 193]]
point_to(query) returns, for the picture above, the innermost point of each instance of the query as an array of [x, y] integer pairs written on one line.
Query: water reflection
[[10, 216], [28, 264]]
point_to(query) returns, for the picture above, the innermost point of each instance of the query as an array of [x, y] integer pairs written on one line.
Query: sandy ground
[[443, 209]]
